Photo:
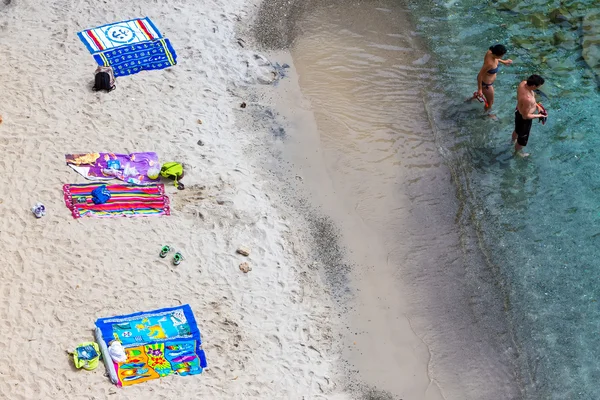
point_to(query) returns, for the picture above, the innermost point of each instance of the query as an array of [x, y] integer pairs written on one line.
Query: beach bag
[[173, 170], [102, 81], [86, 356]]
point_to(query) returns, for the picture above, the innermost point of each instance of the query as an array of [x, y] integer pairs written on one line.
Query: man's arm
[[524, 111]]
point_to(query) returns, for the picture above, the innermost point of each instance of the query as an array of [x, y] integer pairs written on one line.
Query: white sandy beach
[[270, 334], [267, 333]]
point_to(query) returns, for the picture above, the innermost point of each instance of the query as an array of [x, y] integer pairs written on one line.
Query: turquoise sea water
[[538, 218]]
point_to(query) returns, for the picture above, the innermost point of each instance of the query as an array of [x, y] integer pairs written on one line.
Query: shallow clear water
[[538, 217]]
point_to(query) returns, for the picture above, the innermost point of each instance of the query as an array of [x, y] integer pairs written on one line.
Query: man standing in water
[[525, 112]]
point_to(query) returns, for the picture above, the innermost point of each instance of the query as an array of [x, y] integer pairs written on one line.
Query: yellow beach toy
[[87, 356]]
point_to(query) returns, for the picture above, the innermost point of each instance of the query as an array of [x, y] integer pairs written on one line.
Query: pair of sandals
[[543, 112], [177, 258]]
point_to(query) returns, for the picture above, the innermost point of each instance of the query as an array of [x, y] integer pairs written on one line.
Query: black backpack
[[102, 82]]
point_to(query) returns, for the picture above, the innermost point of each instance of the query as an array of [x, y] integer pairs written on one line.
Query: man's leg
[[519, 146], [517, 120]]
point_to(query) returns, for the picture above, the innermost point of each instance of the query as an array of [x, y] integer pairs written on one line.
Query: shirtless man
[[525, 112]]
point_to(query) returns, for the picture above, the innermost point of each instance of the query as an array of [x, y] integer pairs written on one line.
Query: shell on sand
[[245, 267]]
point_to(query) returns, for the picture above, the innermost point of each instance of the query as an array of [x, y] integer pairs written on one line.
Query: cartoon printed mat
[[157, 343], [135, 168], [118, 34]]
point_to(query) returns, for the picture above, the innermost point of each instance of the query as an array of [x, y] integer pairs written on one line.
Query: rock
[[558, 38], [245, 267], [590, 42], [243, 250], [539, 21], [508, 5], [567, 40], [261, 60], [524, 42], [199, 121], [243, 105], [266, 77], [557, 16], [200, 143]]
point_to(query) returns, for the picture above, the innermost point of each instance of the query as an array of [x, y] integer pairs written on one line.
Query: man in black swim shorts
[[522, 129], [525, 112]]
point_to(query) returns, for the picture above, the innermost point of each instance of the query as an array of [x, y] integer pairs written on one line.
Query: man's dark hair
[[535, 80], [498, 50]]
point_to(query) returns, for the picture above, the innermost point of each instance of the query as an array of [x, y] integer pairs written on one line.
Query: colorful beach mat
[[134, 168], [118, 34], [131, 59], [157, 343], [125, 201]]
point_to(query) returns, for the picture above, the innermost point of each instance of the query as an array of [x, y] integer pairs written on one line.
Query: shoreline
[[304, 170]]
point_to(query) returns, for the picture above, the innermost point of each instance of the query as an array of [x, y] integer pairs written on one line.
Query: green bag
[[173, 170], [87, 355]]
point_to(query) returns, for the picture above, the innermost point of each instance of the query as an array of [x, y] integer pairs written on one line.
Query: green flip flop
[[164, 251], [177, 258]]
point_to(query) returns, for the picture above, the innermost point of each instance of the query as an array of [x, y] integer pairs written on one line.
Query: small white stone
[[243, 250]]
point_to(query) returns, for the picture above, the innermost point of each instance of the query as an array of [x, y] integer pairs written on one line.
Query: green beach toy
[[87, 356]]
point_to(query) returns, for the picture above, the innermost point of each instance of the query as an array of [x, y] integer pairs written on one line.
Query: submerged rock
[[528, 43], [558, 38], [508, 5], [539, 21], [590, 41], [558, 16]]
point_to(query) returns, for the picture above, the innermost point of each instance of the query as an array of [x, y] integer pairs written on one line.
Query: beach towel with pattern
[[124, 201], [157, 343], [141, 168], [118, 34], [131, 59]]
